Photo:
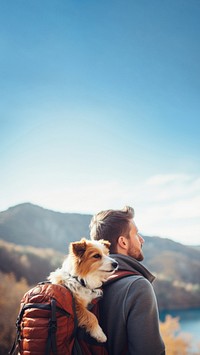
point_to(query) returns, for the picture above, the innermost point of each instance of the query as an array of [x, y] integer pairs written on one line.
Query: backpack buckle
[[53, 325]]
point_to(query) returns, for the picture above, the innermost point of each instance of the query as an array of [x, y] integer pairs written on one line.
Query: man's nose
[[141, 239]]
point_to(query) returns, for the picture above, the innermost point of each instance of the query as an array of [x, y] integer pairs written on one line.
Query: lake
[[189, 321]]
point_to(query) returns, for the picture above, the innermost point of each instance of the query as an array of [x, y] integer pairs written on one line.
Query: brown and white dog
[[87, 266]]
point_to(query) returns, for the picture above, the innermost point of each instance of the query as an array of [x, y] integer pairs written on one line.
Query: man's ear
[[122, 242], [78, 248]]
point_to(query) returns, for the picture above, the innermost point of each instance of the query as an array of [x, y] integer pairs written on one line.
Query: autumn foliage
[[176, 343], [11, 292]]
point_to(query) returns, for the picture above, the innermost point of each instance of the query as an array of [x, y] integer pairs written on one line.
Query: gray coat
[[129, 313]]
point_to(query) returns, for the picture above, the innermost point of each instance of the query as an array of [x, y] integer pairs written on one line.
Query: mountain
[[172, 260], [27, 224], [34, 241]]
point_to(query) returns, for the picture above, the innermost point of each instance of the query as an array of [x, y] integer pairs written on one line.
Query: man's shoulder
[[120, 274], [134, 282], [122, 278]]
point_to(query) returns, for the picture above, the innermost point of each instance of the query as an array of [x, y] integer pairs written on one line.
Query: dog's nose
[[114, 264]]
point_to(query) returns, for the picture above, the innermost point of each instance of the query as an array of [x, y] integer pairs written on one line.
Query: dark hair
[[110, 224]]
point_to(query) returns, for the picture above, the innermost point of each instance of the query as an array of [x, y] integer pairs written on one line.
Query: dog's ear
[[106, 243], [79, 248]]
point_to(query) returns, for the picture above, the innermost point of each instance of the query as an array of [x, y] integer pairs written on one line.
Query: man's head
[[118, 227]]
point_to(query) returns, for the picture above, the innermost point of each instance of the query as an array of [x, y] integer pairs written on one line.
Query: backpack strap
[[51, 340], [119, 274], [13, 350], [75, 316], [18, 329]]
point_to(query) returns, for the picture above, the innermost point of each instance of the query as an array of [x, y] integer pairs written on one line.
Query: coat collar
[[131, 264]]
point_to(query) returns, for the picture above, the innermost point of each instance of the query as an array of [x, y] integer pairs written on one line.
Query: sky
[[100, 108]]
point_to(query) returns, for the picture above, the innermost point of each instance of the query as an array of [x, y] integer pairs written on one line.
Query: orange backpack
[[47, 321]]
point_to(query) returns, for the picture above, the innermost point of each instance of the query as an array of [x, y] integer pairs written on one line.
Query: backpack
[[47, 322]]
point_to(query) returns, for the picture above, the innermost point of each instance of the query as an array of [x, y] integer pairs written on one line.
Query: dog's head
[[92, 262]]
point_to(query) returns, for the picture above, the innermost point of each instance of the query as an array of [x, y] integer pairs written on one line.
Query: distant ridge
[[28, 224]]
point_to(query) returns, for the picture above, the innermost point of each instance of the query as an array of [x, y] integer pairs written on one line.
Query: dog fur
[[87, 266]]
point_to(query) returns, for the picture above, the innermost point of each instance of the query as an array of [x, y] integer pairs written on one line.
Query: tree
[[11, 293], [176, 343]]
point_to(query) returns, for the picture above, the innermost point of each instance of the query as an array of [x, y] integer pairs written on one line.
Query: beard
[[136, 254]]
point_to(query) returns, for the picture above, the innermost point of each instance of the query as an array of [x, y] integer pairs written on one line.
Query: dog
[[87, 266]]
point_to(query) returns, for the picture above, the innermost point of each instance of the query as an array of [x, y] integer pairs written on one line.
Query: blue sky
[[100, 107]]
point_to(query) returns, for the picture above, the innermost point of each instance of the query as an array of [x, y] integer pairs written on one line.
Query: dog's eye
[[97, 256]]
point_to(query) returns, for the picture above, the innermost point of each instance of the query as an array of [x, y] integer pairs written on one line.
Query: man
[[128, 310]]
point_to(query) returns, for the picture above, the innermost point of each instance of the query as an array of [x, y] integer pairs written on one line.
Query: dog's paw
[[99, 335], [102, 338]]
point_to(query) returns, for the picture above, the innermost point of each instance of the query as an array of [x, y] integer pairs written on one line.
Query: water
[[189, 321]]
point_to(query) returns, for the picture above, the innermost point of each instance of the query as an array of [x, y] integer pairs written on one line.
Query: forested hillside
[[30, 263]]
